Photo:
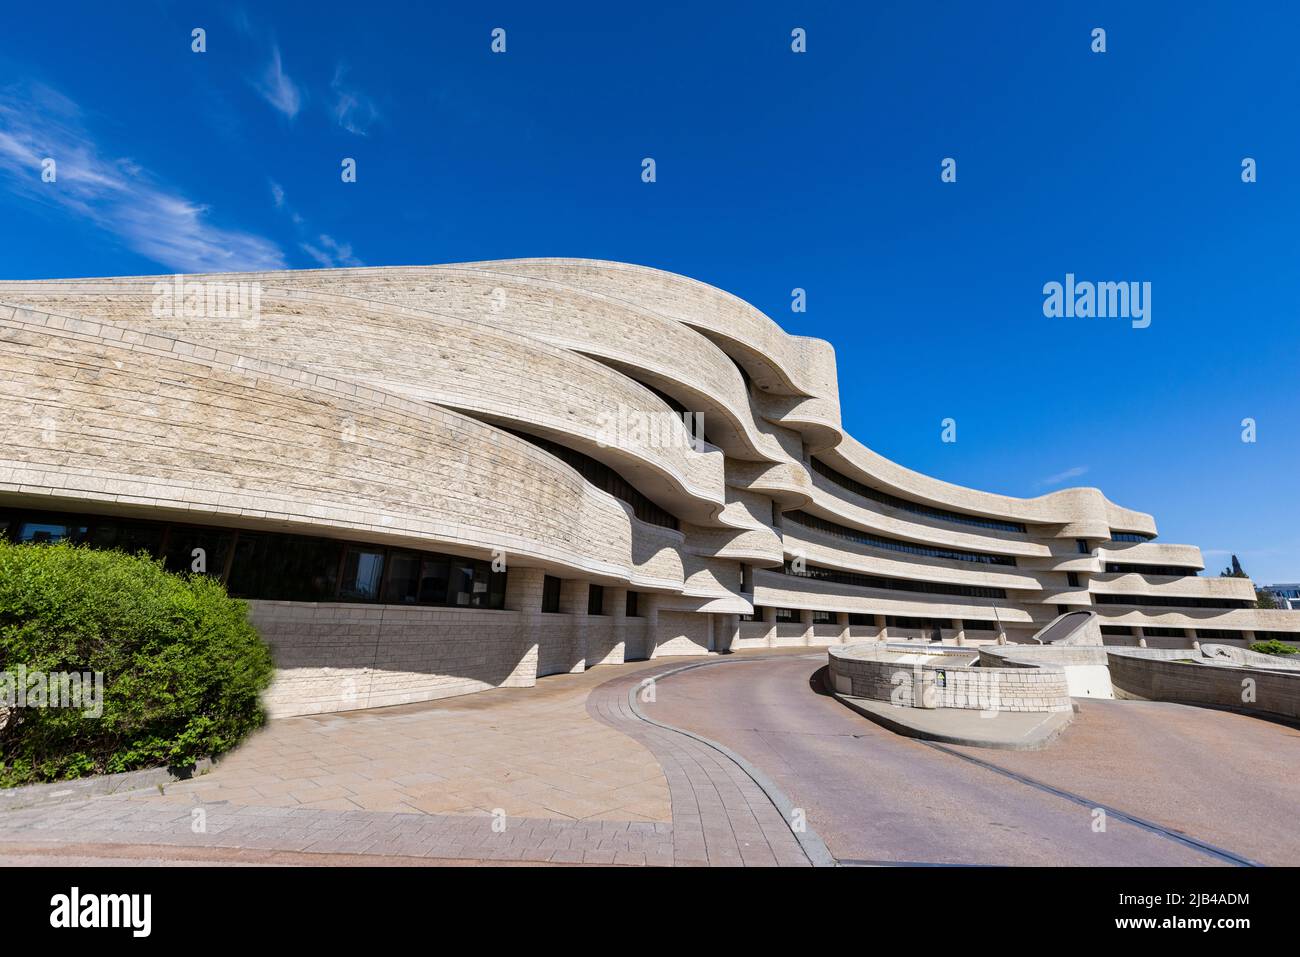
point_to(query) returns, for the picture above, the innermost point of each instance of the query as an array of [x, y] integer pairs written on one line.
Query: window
[[362, 570], [136, 537], [1072, 578], [894, 544], [1116, 630], [895, 584], [596, 600], [50, 533], [1217, 633], [1158, 601], [756, 615], [403, 584], [1081, 544], [605, 478], [824, 618], [550, 595], [1062, 609], [884, 498], [927, 624], [787, 615], [280, 567], [178, 552], [857, 618], [286, 568], [969, 625], [1123, 568], [1130, 537], [1163, 632], [630, 607]]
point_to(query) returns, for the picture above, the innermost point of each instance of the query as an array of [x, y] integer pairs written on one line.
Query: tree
[[1265, 598], [1234, 571]]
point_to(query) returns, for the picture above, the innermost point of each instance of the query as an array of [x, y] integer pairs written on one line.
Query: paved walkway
[[563, 773]]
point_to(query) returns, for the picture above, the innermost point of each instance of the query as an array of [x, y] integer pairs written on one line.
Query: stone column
[[769, 619], [648, 605], [960, 625], [806, 619], [842, 619], [728, 632], [882, 631], [616, 609], [524, 598], [574, 594]]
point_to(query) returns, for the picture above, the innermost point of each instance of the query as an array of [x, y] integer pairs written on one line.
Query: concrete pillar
[[728, 632], [524, 598], [616, 608], [806, 619], [648, 606], [881, 629], [769, 620], [961, 631], [574, 594], [842, 619]]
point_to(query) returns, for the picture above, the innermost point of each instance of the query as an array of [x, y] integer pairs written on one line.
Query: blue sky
[[775, 170]]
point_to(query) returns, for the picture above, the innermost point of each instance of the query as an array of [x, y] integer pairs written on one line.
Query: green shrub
[[182, 666], [1273, 647]]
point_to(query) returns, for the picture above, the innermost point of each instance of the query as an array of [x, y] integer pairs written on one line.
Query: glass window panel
[[183, 541], [129, 537], [403, 587], [433, 581], [51, 532], [363, 570], [460, 590]]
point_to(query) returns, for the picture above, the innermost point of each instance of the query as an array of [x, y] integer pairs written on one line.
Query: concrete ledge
[[1008, 731], [80, 789]]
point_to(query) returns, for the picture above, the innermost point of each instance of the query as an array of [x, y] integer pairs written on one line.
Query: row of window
[[1130, 537], [276, 566], [894, 544], [1213, 634], [1123, 568], [894, 584], [884, 498], [1172, 601], [606, 479], [595, 599], [792, 615]]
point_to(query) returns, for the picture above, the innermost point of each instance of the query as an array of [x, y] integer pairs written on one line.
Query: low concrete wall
[[871, 671], [340, 657], [1153, 674]]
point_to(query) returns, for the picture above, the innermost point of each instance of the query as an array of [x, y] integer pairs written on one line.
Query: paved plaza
[[570, 773]]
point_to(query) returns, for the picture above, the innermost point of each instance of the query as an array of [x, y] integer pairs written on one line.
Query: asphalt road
[[1224, 780]]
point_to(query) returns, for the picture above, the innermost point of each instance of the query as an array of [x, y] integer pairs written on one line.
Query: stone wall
[[867, 671], [1136, 673]]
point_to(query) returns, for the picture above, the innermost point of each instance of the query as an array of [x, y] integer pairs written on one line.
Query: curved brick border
[[725, 811]]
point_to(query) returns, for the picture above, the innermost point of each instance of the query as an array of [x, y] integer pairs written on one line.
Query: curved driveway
[[1222, 779]]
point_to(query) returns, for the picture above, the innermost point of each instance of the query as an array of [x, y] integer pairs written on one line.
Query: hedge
[[182, 666]]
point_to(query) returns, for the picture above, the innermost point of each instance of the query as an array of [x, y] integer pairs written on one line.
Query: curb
[[813, 847], [910, 731], [80, 789]]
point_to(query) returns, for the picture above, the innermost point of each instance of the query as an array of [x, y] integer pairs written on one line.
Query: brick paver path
[[720, 816]]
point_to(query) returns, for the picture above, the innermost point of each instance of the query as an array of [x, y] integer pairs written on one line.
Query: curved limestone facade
[[434, 480]]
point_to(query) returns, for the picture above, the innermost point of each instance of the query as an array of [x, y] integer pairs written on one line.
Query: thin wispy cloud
[[114, 194], [277, 88], [353, 110], [324, 248], [1059, 477], [331, 253]]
